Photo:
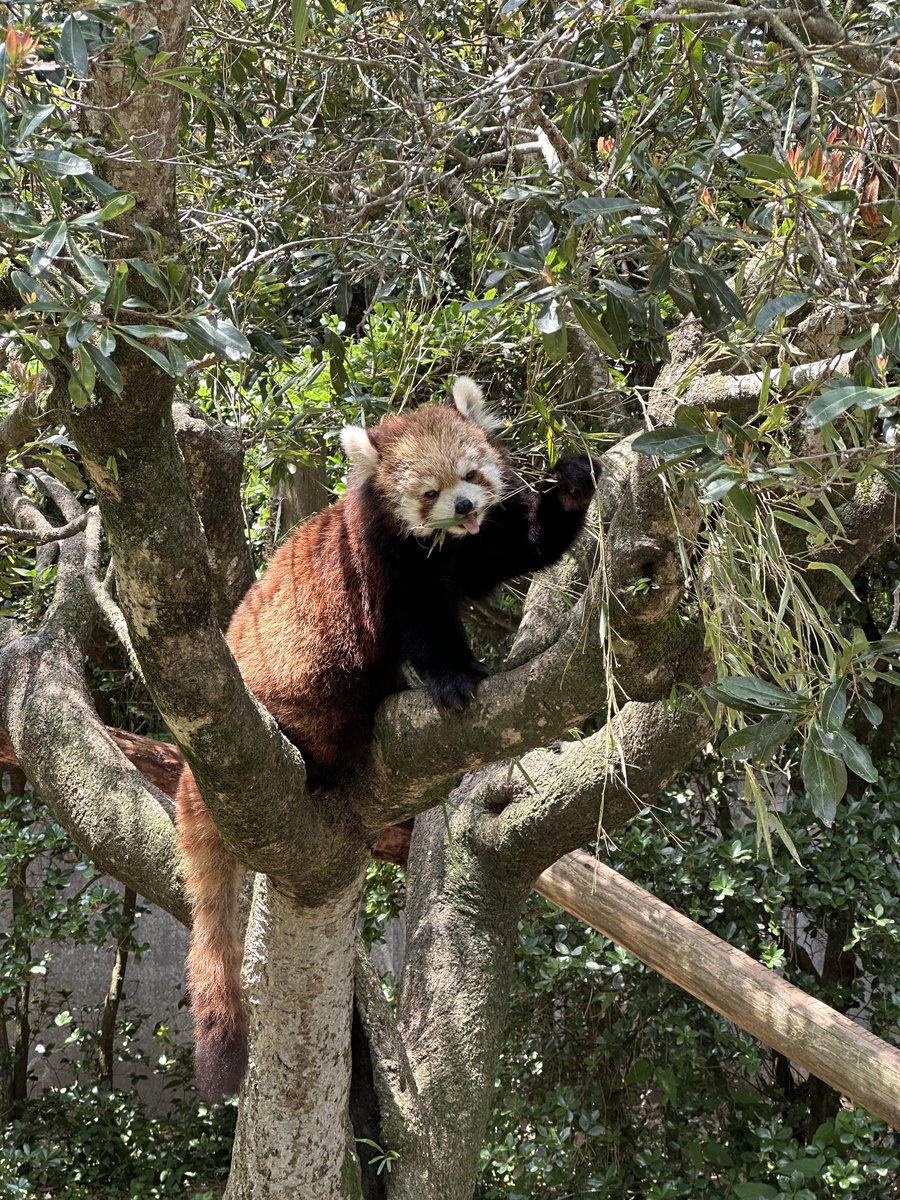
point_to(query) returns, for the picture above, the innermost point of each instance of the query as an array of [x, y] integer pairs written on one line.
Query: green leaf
[[300, 21], [60, 164], [749, 689], [824, 777], [871, 712], [52, 240], [150, 351], [161, 331], [743, 501], [106, 369], [891, 477], [834, 707], [554, 338], [542, 233], [780, 306], [836, 571], [115, 207], [32, 119], [837, 400], [759, 741], [668, 443], [91, 269], [755, 1191], [591, 205], [667, 1081], [82, 376], [27, 286], [72, 46], [152, 275], [711, 294], [595, 331], [856, 756], [222, 336], [763, 166]]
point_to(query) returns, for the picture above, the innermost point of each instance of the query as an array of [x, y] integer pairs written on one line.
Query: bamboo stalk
[[835, 1049]]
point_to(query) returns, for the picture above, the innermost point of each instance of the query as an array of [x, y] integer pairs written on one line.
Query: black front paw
[[576, 481], [452, 691]]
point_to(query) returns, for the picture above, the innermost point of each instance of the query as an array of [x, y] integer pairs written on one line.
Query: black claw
[[453, 691]]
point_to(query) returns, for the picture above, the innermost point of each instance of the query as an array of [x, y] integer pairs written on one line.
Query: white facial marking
[[410, 512], [444, 508], [491, 472]]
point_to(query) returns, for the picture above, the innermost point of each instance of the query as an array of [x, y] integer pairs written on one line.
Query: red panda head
[[435, 468]]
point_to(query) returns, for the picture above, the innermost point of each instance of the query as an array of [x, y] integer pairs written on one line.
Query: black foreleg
[[530, 529], [436, 646]]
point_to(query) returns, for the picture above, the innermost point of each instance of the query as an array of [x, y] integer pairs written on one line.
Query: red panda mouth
[[471, 526]]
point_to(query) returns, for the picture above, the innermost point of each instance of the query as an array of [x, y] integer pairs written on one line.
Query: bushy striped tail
[[212, 881]]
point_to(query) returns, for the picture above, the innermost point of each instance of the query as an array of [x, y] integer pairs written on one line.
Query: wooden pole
[[816, 1037]]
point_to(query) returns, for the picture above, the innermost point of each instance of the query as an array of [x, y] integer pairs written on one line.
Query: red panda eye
[[432, 495], [470, 476]]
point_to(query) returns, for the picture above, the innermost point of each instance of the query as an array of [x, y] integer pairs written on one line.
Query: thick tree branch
[[214, 457], [569, 797], [417, 751], [92, 790], [403, 1126], [10, 533]]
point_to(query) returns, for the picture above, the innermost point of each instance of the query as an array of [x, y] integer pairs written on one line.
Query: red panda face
[[435, 468]]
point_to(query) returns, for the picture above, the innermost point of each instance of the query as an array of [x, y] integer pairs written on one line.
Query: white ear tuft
[[360, 450], [469, 400]]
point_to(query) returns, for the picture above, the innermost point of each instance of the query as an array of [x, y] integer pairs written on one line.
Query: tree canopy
[[664, 232]]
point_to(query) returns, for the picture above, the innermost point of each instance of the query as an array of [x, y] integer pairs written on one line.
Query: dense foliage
[[613, 1079], [569, 202]]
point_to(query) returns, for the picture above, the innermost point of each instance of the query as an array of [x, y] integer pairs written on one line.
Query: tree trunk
[[293, 1135], [461, 934]]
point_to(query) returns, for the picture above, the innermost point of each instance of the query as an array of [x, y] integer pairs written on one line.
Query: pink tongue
[[471, 526]]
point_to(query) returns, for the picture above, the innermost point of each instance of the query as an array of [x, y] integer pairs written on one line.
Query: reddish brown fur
[[308, 640], [322, 636]]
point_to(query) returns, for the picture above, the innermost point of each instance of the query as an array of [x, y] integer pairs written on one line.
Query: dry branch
[[829, 1045]]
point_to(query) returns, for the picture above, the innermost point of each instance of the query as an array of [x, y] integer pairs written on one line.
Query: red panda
[[322, 636]]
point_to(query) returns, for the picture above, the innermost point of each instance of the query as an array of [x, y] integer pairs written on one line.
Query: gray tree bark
[[293, 1136]]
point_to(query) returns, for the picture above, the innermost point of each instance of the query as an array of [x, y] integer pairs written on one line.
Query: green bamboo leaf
[[300, 21], [835, 570]]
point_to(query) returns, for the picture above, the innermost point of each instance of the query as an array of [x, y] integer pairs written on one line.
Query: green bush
[[85, 1139], [615, 1082]]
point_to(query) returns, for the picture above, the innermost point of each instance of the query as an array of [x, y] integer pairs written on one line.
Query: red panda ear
[[468, 399], [360, 449]]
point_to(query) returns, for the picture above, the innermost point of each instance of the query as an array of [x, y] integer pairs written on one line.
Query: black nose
[[463, 506]]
